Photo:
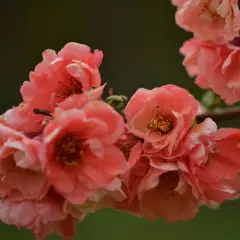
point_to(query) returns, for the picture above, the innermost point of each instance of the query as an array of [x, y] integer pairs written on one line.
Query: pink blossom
[[158, 188], [161, 117], [178, 3], [79, 157], [201, 109], [213, 158], [107, 197], [209, 20], [73, 71], [215, 67], [20, 173], [79, 100], [127, 141], [42, 217]]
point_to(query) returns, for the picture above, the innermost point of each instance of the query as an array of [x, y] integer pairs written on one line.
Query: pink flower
[[79, 157], [213, 158], [216, 67], [107, 197], [158, 188], [127, 141], [73, 71], [178, 3], [20, 173], [79, 100], [201, 109], [42, 217], [217, 21], [23, 118], [161, 117]]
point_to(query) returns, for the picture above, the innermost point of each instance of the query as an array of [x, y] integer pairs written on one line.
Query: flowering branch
[[65, 153]]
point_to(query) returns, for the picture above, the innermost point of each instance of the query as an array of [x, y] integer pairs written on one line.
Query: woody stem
[[223, 114]]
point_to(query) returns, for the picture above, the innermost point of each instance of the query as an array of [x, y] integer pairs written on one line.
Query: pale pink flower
[[215, 67], [161, 117], [73, 71], [210, 20], [213, 159], [79, 157], [158, 189], [20, 173], [42, 217], [201, 109]]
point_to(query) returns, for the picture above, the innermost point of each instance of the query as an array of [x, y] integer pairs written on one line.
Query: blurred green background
[[141, 44]]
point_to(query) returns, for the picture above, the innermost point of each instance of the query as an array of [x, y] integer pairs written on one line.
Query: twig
[[42, 112], [220, 115]]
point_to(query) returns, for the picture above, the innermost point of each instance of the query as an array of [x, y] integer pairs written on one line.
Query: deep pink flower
[[213, 158], [158, 189], [20, 173], [79, 157], [215, 67], [73, 71], [210, 20], [42, 217], [161, 117]]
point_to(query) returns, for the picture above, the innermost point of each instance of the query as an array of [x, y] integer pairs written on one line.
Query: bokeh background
[[141, 44]]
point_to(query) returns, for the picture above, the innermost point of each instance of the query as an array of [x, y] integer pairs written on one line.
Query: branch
[[220, 115]]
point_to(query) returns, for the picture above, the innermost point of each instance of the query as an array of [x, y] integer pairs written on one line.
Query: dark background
[[141, 44]]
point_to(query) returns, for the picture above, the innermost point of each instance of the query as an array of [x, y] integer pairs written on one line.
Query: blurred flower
[[42, 217], [201, 109], [215, 67], [161, 117], [20, 172], [213, 159], [217, 21], [78, 155]]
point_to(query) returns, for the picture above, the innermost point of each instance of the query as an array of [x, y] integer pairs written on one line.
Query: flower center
[[235, 42], [212, 148], [168, 182], [207, 11], [68, 88], [159, 122], [69, 150]]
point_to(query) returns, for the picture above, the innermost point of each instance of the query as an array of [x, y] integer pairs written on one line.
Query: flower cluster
[[213, 54], [58, 152], [65, 152]]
